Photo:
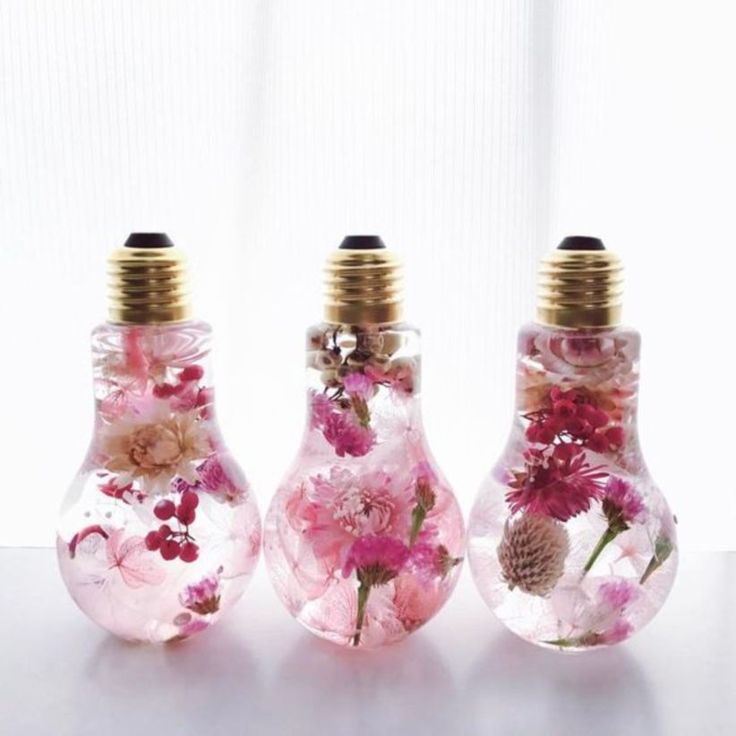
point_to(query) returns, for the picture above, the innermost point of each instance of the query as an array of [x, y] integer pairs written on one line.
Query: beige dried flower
[[155, 452], [532, 553]]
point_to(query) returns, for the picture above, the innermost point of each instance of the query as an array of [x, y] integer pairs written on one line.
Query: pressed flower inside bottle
[[159, 533], [364, 537], [570, 543]]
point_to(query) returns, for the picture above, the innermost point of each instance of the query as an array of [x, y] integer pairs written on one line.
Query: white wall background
[[471, 135]]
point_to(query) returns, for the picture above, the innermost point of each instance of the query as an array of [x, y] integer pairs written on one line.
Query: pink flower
[[334, 511], [202, 597], [320, 409], [416, 603], [344, 432], [343, 428], [620, 630], [568, 355], [132, 560], [399, 375], [597, 619], [377, 559], [616, 595], [622, 505], [429, 561], [216, 479], [358, 385], [557, 482]]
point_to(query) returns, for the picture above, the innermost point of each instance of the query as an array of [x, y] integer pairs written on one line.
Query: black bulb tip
[[362, 242], [148, 240], [581, 242]]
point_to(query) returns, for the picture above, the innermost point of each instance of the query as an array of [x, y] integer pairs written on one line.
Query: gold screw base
[[363, 287], [580, 289], [147, 286]]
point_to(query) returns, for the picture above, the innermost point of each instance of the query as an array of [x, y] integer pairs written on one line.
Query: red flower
[[557, 482]]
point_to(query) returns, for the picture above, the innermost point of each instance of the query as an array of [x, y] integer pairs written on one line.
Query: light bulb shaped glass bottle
[[364, 538], [570, 542], [159, 533]]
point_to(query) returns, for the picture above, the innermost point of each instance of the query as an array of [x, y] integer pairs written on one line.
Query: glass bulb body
[[159, 532], [570, 542], [364, 538]]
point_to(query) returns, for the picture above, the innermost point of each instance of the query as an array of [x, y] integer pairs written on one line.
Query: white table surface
[[259, 672]]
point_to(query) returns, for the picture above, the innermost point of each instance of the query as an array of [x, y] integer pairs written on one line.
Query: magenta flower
[[344, 432], [556, 482], [622, 505], [377, 559], [202, 597]]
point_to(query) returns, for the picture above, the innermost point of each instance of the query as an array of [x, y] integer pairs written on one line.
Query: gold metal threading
[[147, 286], [363, 287], [580, 288]]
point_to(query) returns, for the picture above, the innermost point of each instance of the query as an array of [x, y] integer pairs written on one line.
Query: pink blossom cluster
[[202, 597], [341, 427]]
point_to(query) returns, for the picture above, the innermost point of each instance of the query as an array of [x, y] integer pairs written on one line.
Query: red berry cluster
[[575, 417], [172, 544], [185, 394], [190, 374]]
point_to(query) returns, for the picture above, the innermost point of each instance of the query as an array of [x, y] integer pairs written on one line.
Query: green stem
[[608, 536], [560, 642], [654, 563], [363, 591], [418, 515], [662, 550]]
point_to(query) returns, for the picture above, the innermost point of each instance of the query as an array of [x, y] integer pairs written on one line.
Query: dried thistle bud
[[532, 553], [424, 494]]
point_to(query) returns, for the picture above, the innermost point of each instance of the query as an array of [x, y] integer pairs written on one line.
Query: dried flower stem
[[363, 591]]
